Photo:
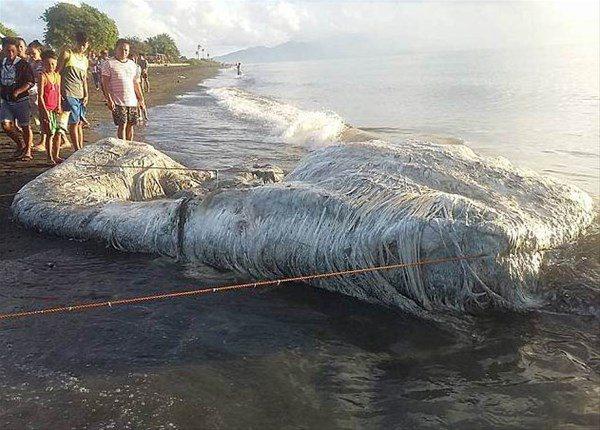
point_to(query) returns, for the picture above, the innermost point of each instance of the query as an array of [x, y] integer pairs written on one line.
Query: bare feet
[[25, 157], [55, 161]]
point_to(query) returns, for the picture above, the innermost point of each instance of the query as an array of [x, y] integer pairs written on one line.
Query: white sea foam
[[315, 128]]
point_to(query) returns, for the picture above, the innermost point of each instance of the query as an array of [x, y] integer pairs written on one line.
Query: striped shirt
[[122, 75]]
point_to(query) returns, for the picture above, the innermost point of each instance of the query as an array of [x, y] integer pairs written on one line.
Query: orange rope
[[111, 303]]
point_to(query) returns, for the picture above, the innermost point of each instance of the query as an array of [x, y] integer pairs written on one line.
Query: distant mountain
[[297, 51]]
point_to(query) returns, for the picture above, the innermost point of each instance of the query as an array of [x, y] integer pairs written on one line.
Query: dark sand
[[166, 84], [39, 270]]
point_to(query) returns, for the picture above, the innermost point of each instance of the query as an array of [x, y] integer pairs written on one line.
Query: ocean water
[[538, 108], [299, 357]]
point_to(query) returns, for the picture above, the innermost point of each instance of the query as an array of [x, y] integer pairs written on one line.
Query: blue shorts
[[75, 108], [19, 111]]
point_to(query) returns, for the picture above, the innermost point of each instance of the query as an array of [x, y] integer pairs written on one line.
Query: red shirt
[[51, 90]]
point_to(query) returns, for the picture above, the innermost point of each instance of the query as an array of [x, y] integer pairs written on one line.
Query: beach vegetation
[[163, 44], [8, 32], [198, 62], [138, 46], [63, 20]]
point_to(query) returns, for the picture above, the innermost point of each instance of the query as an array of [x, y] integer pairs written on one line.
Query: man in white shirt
[[122, 91]]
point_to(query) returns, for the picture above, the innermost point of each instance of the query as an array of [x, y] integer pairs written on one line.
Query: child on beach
[[122, 91], [16, 78], [49, 101], [34, 54]]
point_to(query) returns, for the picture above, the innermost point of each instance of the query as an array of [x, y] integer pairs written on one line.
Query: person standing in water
[[73, 66], [122, 90]]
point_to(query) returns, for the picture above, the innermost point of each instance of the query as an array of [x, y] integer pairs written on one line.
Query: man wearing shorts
[[16, 78], [73, 67], [122, 91]]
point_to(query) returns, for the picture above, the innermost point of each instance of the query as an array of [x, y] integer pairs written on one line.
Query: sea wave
[[294, 125]]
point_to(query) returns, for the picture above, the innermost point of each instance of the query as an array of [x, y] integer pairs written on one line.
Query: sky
[[224, 26]]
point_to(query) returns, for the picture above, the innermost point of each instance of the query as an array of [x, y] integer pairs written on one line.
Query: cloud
[[222, 26]]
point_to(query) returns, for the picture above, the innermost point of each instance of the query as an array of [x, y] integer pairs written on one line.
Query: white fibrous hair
[[346, 206]]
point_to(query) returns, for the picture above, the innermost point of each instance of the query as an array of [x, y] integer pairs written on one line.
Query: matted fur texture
[[346, 206]]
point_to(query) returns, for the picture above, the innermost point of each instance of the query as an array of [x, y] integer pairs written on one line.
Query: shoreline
[[166, 84]]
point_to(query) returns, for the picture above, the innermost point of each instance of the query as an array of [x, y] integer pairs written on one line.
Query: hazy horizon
[[225, 27]]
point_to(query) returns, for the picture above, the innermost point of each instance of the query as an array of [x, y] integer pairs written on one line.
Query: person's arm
[[60, 97], [138, 89], [85, 92], [41, 102], [28, 80], [140, 96], [105, 87], [85, 89]]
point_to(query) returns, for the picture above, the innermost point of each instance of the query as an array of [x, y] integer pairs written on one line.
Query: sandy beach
[[241, 358], [166, 84], [40, 270]]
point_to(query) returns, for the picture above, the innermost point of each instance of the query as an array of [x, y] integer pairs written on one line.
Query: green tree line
[[7, 31], [63, 20]]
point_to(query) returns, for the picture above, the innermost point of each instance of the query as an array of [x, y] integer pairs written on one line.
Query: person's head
[[121, 49], [10, 48], [104, 54], [142, 56], [34, 50], [21, 47], [50, 60], [81, 41]]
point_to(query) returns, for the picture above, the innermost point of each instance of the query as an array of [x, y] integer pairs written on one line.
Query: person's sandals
[[25, 157]]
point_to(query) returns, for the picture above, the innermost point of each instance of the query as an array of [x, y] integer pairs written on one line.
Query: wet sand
[[294, 357], [40, 271], [166, 84]]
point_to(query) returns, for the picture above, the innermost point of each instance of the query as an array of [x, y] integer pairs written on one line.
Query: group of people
[[38, 84]]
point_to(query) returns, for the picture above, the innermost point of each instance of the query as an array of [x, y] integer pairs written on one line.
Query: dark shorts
[[19, 111], [75, 108], [125, 115]]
